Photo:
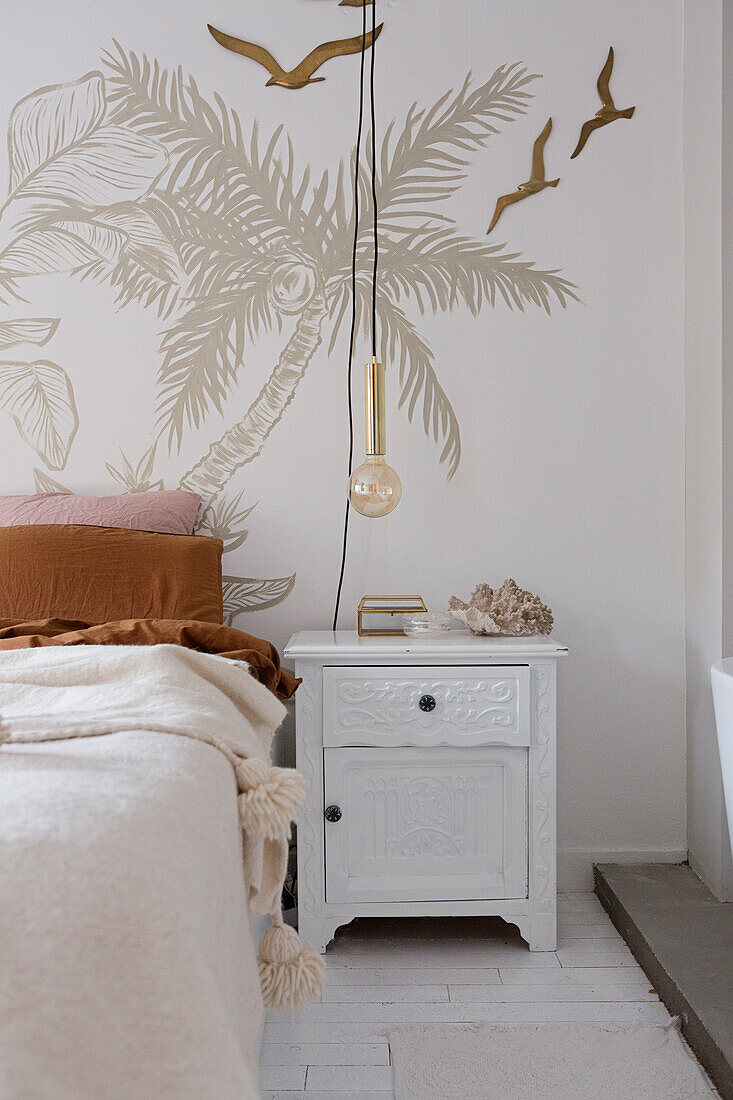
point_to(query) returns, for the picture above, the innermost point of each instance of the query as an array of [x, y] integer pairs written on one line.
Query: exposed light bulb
[[374, 487]]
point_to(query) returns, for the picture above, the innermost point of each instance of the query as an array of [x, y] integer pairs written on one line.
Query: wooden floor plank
[[316, 1094], [380, 974], [324, 1054], [416, 976], [571, 975], [283, 1077], [525, 994], [371, 1023], [363, 994], [349, 1079]]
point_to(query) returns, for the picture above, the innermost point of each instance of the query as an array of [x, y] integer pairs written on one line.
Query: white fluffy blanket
[[126, 963]]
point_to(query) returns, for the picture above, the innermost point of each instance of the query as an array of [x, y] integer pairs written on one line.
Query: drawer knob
[[332, 813], [427, 703]]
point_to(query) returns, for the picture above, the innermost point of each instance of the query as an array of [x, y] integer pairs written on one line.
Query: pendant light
[[374, 487]]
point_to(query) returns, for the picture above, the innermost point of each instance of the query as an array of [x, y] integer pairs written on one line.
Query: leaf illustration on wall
[[150, 270], [68, 246], [223, 519], [147, 244], [27, 330], [136, 479], [46, 484], [67, 161], [248, 594], [40, 398], [109, 165], [48, 121]]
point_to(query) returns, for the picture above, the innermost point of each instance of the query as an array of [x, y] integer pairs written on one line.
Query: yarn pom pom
[[291, 971], [269, 800]]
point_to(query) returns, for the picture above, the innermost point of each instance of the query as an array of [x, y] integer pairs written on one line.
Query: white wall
[[709, 425], [572, 477], [724, 885]]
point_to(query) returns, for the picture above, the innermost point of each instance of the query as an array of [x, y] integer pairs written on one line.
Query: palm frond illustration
[[249, 594], [263, 245]]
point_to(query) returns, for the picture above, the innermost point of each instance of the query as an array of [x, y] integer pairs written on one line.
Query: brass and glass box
[[375, 616]]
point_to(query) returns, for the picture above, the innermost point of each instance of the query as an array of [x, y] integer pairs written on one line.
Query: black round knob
[[333, 813], [427, 703]]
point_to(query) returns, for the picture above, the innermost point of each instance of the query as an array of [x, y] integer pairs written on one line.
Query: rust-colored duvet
[[261, 656]]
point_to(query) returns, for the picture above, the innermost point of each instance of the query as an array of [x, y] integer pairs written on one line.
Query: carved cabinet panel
[[426, 706], [428, 824]]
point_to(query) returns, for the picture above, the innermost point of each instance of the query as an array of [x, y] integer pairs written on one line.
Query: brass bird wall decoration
[[608, 112], [302, 74], [534, 184]]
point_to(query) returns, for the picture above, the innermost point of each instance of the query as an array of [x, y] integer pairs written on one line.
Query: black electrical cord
[[352, 337], [374, 182]]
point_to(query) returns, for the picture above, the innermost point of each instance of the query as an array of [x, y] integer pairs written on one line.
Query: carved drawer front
[[433, 705], [438, 824]]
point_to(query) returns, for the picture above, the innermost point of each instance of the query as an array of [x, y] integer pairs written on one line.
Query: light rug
[[544, 1062]]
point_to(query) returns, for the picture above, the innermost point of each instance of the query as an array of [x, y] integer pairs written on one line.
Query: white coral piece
[[506, 610]]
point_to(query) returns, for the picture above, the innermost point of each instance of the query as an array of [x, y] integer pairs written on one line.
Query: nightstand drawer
[[425, 824], [427, 706]]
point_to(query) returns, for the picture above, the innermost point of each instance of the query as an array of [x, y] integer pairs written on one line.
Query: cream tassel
[[291, 971], [270, 798]]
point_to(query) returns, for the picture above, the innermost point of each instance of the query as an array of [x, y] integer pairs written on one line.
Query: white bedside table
[[431, 779]]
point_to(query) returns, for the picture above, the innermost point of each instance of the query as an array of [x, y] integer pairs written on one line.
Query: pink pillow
[[168, 511]]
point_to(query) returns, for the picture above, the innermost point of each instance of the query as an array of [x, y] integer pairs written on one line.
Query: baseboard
[[575, 865]]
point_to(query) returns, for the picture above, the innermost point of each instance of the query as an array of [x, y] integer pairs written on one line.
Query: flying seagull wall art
[[608, 112], [536, 182], [302, 74]]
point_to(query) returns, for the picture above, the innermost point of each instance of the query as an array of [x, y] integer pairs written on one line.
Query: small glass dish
[[426, 624]]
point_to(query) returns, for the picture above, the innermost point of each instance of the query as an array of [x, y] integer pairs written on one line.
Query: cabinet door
[[440, 824]]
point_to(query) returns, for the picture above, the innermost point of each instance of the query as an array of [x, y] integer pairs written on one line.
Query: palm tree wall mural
[[130, 177]]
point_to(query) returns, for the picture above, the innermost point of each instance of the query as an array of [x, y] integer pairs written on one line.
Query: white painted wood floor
[[390, 971]]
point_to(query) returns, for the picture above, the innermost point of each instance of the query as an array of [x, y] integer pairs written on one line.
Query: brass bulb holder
[[374, 487], [376, 426]]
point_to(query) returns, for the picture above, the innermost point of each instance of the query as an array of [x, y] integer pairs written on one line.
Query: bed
[[141, 823]]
